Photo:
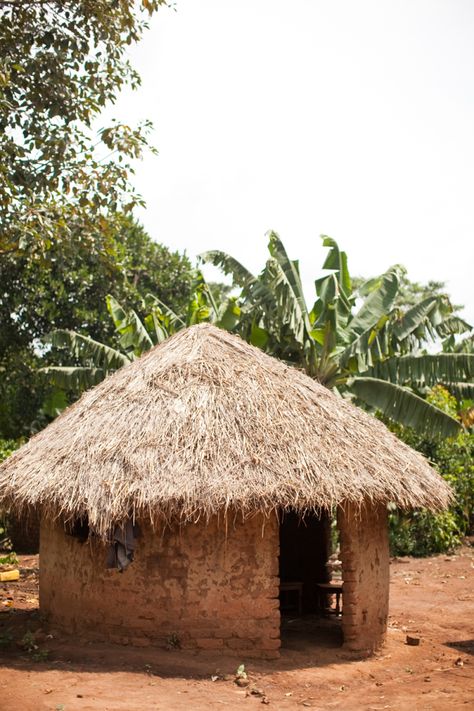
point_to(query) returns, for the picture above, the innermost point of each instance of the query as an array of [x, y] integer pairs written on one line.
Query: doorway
[[305, 548]]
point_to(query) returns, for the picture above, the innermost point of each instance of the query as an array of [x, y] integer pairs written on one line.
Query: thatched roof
[[206, 422]]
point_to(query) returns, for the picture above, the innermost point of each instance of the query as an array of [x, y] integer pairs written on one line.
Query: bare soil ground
[[431, 598]]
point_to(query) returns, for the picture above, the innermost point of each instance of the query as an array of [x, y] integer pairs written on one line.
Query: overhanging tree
[[61, 62]]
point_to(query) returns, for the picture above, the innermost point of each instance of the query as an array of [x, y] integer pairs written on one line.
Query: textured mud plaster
[[204, 586], [366, 574]]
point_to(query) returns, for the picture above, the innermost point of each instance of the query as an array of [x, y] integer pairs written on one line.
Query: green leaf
[[318, 335], [84, 347], [452, 325], [403, 406], [117, 312], [337, 260], [414, 317], [426, 369], [75, 378], [461, 391], [133, 334], [377, 304], [367, 347], [229, 315], [258, 336], [291, 271], [240, 275], [55, 403], [278, 306], [369, 285], [175, 320], [152, 322]]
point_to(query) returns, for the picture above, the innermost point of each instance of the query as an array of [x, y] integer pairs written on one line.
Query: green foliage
[[134, 335], [7, 447], [80, 280], [426, 370], [424, 533], [443, 400], [418, 297], [65, 191], [9, 559], [60, 64], [404, 406], [28, 643], [358, 337]]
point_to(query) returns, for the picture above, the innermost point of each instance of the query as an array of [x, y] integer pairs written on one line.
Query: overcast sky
[[354, 119]]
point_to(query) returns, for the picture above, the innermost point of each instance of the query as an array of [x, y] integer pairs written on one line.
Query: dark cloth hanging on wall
[[122, 548]]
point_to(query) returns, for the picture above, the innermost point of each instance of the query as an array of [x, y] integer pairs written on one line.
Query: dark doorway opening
[[305, 549]]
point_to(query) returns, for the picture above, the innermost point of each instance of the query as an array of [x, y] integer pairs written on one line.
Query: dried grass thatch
[[204, 423]]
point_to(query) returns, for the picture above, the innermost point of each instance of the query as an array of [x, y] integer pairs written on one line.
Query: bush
[[422, 533], [7, 446]]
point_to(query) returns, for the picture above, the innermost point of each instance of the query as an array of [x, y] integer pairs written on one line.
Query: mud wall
[[199, 586], [366, 574]]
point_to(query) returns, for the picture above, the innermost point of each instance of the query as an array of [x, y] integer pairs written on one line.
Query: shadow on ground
[[465, 646], [308, 641]]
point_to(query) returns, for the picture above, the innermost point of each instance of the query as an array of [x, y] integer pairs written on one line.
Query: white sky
[[354, 119]]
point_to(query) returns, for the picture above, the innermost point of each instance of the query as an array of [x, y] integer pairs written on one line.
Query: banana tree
[[340, 343], [93, 360]]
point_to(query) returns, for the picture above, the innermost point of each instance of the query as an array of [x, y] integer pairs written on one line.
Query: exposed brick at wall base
[[207, 586], [365, 565]]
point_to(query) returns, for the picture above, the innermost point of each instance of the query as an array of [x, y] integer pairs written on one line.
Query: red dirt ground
[[431, 598]]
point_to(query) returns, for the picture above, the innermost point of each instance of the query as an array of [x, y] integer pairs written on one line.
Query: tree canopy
[[65, 188], [61, 62], [68, 291]]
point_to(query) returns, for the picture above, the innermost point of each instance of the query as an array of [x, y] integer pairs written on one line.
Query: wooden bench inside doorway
[[292, 589], [325, 589]]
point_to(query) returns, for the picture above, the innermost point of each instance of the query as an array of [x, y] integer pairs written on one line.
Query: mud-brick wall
[[206, 586], [366, 574]]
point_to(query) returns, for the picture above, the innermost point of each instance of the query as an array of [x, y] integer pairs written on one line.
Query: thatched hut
[[223, 456]]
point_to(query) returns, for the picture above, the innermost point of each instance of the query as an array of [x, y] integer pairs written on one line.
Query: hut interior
[[305, 549], [304, 553]]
